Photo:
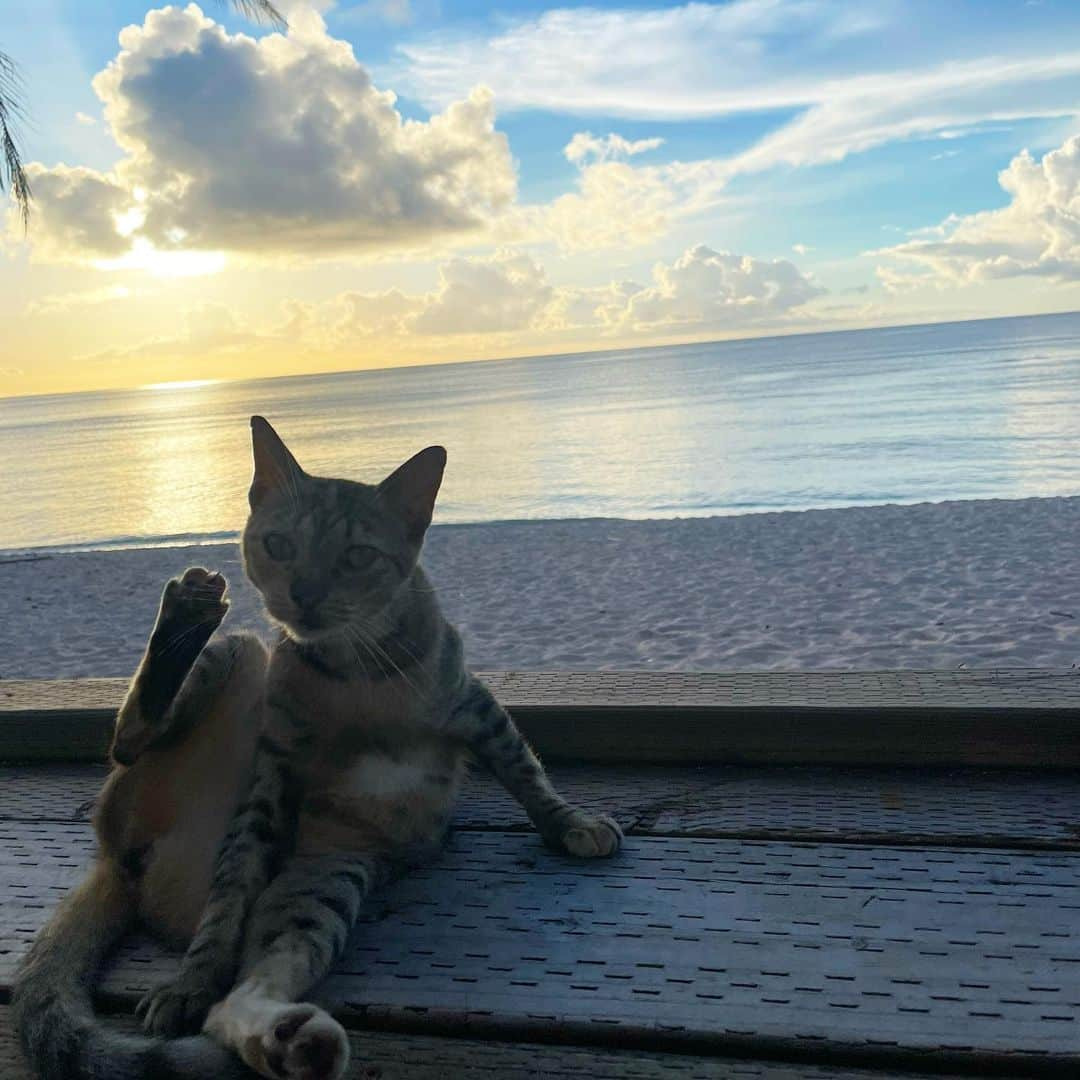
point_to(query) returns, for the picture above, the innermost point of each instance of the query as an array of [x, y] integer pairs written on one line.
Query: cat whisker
[[379, 652], [178, 639]]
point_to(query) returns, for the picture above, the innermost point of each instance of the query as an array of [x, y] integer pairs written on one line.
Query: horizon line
[[542, 355]]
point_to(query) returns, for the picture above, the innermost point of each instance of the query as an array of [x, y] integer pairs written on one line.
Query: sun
[[166, 264]]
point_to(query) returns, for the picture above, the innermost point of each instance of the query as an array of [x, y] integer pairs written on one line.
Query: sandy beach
[[981, 584]]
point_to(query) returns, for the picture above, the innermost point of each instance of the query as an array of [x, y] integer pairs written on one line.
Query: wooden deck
[[821, 920]]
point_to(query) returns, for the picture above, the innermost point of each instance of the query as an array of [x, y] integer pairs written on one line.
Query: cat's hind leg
[[184, 742], [174, 671]]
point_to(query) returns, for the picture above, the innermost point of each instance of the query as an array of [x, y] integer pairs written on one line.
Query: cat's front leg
[[492, 736], [297, 930]]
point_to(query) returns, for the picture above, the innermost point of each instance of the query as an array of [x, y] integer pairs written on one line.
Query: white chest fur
[[379, 776]]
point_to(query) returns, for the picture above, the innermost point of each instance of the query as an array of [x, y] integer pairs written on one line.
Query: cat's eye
[[278, 547], [359, 557]]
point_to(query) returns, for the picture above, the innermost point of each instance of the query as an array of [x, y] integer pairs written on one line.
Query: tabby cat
[[257, 797]]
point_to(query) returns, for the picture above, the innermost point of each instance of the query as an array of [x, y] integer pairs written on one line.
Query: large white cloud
[[276, 146], [1036, 234]]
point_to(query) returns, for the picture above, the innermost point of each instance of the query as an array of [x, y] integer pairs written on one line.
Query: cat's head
[[331, 553]]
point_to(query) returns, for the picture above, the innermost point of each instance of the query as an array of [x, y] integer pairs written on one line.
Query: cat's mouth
[[304, 625]]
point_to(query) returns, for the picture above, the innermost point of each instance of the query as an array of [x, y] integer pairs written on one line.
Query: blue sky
[[756, 166]]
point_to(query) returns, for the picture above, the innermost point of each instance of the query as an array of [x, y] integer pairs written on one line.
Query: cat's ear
[[275, 468], [412, 487]]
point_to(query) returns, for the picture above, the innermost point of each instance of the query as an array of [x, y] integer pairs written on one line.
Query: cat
[[258, 796]]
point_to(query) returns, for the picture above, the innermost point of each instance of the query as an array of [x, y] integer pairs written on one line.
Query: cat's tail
[[52, 1008]]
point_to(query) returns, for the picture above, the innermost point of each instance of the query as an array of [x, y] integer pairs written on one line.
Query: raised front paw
[[589, 836], [176, 1008], [197, 596]]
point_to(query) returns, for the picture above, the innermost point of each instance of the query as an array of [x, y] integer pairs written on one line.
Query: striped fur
[[369, 719]]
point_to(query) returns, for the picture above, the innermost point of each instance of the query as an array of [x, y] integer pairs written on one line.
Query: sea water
[[972, 410]]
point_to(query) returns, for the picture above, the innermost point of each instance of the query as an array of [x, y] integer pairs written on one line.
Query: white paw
[[592, 836], [305, 1043], [290, 1042]]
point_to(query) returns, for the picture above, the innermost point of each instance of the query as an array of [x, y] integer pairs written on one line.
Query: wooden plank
[[851, 955], [1011, 717], [384, 1056], [964, 807]]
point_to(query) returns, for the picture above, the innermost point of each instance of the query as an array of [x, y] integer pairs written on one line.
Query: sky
[[421, 181]]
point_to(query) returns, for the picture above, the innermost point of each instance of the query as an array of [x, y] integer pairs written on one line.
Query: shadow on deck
[[859, 911]]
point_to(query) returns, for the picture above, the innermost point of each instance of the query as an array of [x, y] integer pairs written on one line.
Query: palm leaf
[[12, 174], [259, 11]]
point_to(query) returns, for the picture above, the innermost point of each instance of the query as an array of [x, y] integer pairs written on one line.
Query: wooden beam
[[1008, 717]]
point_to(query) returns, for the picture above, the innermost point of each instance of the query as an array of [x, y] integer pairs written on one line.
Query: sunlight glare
[[169, 264], [180, 384]]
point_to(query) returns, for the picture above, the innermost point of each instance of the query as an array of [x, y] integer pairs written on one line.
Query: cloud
[[620, 205], [492, 305], [75, 213], [280, 146], [1036, 235], [855, 76], [509, 292], [853, 115], [54, 302], [693, 60], [372, 314], [499, 294], [85, 119], [585, 146], [707, 288], [207, 328]]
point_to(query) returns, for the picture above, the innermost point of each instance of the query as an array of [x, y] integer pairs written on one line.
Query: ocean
[[972, 410]]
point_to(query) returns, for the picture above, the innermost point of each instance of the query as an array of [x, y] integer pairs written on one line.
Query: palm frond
[[12, 174], [260, 11]]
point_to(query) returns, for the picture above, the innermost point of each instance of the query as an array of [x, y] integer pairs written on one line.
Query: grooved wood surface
[[866, 921], [381, 1056], [986, 808], [842, 951]]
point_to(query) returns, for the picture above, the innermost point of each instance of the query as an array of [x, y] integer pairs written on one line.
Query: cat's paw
[[292, 1042], [176, 1008], [590, 836], [196, 597]]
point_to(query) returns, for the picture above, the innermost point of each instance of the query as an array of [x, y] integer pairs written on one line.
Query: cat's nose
[[307, 594]]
